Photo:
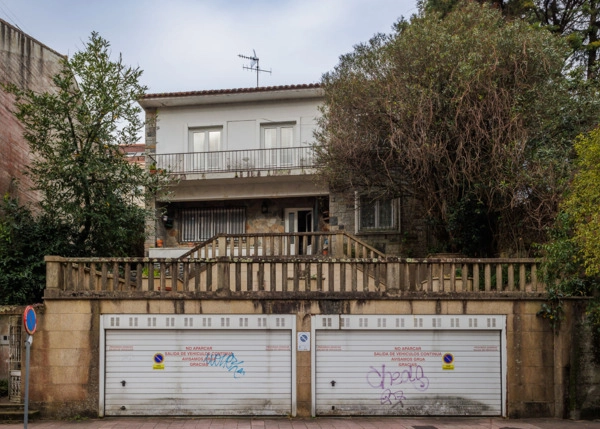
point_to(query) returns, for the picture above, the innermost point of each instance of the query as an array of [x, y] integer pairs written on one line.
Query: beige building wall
[[65, 351]]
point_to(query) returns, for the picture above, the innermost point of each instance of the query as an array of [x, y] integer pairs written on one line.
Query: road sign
[[30, 320]]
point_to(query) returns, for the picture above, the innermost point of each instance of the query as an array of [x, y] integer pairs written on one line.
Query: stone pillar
[[54, 275]]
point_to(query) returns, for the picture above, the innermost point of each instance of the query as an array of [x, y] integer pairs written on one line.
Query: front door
[[297, 221]]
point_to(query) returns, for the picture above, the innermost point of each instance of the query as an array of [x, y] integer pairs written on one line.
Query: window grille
[[200, 224]]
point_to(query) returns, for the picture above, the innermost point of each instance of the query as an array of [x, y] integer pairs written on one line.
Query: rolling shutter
[[370, 371], [198, 372]]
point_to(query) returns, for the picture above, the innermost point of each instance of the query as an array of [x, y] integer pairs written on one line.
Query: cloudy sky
[[186, 45]]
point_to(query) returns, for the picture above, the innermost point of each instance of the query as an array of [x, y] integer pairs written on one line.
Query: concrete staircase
[[12, 411]]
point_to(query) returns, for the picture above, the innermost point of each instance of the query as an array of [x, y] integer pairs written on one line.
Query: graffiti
[[392, 398], [226, 361], [388, 381], [385, 379]]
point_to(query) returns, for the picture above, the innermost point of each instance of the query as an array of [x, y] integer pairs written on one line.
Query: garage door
[[198, 365], [404, 365]]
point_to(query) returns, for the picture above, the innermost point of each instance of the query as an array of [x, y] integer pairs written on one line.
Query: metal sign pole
[[30, 324], [27, 353]]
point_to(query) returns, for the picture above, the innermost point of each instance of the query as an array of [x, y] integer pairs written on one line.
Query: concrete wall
[[28, 64], [64, 365]]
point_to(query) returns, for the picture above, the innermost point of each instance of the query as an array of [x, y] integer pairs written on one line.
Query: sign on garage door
[[198, 365], [405, 365]]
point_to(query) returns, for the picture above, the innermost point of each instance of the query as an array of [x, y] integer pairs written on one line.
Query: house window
[[200, 224], [205, 145], [376, 215], [278, 139]]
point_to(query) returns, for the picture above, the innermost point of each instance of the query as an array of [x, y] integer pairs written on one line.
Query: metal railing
[[236, 160]]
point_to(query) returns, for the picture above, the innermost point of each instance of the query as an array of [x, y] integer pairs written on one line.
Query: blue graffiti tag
[[227, 361]]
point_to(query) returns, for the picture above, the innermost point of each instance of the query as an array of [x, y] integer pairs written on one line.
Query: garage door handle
[[123, 383], [332, 383]]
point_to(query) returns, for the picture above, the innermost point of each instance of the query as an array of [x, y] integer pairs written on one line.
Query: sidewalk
[[317, 423]]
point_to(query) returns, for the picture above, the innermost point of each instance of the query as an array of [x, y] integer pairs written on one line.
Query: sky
[[185, 45]]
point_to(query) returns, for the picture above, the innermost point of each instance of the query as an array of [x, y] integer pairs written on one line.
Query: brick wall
[[28, 64]]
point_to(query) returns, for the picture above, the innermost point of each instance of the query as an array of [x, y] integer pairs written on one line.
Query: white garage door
[[216, 370], [371, 365]]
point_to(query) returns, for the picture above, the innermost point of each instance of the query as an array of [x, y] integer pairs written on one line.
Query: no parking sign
[[30, 320]]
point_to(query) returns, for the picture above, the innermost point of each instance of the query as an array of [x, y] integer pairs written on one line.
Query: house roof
[[216, 96]]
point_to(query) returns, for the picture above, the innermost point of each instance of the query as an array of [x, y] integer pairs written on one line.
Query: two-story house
[[245, 164], [243, 159]]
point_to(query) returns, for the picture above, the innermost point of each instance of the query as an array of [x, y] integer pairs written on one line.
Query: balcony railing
[[318, 276], [236, 160]]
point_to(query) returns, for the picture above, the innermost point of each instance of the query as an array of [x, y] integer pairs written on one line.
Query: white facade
[[240, 124], [244, 159]]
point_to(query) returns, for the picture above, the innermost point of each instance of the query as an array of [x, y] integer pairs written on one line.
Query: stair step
[[13, 412]]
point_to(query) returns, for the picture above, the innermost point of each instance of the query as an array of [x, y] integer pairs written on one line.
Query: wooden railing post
[[393, 274], [222, 246], [54, 275], [338, 248], [223, 272]]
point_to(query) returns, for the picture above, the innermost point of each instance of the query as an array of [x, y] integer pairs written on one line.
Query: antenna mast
[[253, 65]]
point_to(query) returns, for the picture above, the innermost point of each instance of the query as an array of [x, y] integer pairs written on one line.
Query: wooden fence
[[293, 274], [337, 244]]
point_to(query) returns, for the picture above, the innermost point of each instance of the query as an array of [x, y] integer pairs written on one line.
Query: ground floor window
[[200, 224], [376, 215]]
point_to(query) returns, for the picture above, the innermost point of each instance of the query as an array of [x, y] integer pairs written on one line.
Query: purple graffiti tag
[[384, 379], [392, 398]]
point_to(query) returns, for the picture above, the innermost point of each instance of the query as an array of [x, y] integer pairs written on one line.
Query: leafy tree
[[583, 202], [24, 241], [471, 113], [88, 187], [572, 256], [577, 20]]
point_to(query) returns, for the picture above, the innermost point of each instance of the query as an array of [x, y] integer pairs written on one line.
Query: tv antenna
[[254, 65]]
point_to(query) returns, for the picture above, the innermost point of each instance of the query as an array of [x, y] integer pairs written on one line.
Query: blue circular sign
[[159, 358], [448, 358], [30, 320]]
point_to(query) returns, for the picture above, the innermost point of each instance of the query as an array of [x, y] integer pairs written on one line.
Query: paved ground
[[318, 423]]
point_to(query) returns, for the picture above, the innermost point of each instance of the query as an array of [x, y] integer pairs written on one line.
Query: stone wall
[[28, 64], [65, 353], [256, 221], [411, 239]]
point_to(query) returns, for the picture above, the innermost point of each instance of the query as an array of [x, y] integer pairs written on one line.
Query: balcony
[[236, 161]]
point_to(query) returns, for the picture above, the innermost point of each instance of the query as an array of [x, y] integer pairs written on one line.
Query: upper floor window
[[279, 140], [376, 215], [205, 143]]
